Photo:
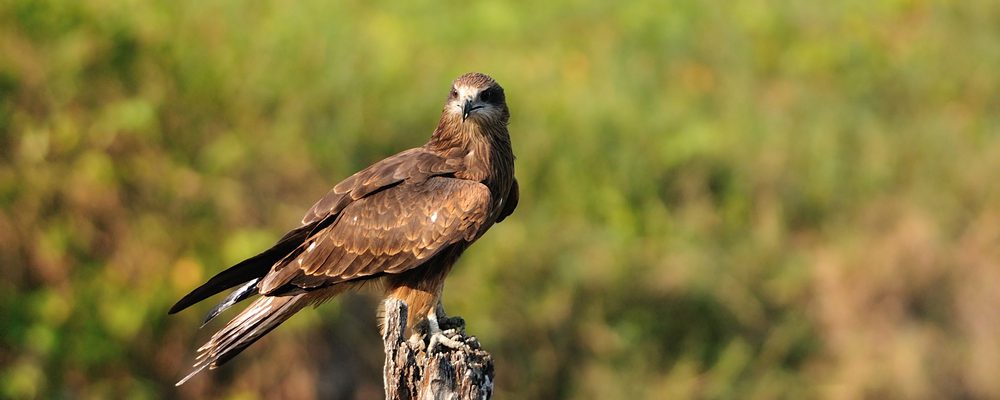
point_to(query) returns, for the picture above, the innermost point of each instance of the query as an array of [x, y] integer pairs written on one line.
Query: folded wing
[[388, 232], [414, 165]]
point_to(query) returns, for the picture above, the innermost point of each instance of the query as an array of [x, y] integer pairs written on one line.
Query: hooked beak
[[468, 108]]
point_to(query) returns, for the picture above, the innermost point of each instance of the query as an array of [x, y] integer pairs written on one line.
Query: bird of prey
[[402, 222]]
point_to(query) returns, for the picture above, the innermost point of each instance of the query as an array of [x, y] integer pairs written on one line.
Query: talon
[[441, 339]]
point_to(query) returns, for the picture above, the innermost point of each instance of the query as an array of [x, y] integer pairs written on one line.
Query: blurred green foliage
[[749, 199]]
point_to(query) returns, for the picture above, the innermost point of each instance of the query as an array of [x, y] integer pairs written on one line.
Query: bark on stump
[[411, 372]]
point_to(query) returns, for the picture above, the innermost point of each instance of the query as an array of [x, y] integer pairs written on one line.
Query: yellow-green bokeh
[[746, 199]]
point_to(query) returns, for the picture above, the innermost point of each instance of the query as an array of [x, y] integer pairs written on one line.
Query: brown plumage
[[402, 222]]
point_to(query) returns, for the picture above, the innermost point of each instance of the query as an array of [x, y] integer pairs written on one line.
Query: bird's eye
[[453, 94], [487, 95]]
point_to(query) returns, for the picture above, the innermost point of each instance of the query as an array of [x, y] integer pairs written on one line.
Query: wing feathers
[[390, 231], [411, 165]]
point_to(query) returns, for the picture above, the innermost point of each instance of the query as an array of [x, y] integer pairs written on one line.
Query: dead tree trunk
[[413, 372]]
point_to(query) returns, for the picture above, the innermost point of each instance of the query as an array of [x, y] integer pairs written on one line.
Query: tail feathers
[[265, 314], [242, 293]]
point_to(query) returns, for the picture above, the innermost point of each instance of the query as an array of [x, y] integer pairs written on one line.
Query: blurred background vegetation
[[749, 199]]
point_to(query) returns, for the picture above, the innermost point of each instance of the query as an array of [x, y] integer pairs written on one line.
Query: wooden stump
[[411, 372]]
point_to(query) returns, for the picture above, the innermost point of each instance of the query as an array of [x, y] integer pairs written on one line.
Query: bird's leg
[[437, 336], [447, 323]]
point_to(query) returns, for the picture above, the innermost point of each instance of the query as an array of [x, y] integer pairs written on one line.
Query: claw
[[439, 337]]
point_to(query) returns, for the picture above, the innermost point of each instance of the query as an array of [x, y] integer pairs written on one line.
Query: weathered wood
[[411, 372]]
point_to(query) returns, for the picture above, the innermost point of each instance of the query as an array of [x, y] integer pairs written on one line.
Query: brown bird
[[402, 223]]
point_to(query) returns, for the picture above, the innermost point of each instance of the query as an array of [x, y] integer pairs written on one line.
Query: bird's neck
[[486, 150]]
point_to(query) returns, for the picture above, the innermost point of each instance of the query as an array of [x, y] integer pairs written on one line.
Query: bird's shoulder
[[414, 166]]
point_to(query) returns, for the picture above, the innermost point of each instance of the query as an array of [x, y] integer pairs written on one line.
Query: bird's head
[[476, 98]]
